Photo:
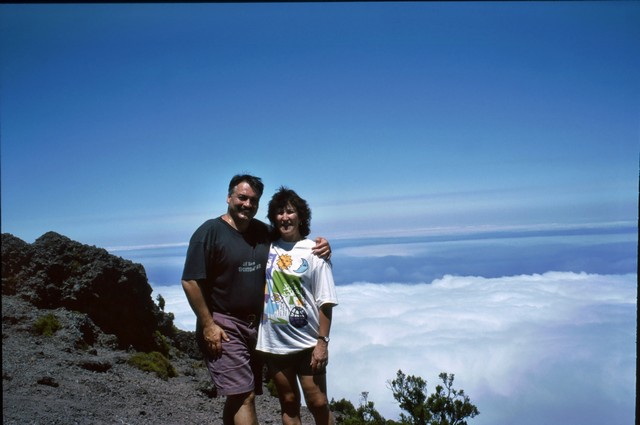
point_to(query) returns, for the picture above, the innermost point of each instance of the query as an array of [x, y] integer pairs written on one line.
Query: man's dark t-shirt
[[229, 265]]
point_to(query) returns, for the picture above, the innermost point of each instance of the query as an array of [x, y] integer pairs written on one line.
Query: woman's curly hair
[[286, 196]]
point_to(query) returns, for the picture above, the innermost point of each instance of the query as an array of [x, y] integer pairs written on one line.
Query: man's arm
[[322, 248], [212, 333]]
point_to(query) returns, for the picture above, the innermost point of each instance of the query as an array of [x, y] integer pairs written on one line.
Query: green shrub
[[46, 325], [271, 387], [162, 344], [161, 302], [154, 362]]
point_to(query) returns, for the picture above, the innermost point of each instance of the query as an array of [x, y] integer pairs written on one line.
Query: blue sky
[[489, 146], [122, 124]]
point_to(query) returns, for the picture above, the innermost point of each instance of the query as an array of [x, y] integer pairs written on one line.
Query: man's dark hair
[[253, 181], [286, 196]]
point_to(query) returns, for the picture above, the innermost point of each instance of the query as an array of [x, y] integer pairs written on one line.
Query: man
[[223, 279]]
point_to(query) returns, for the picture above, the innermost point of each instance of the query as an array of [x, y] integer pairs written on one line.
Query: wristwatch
[[324, 338]]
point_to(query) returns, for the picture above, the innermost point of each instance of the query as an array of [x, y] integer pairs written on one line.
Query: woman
[[299, 297]]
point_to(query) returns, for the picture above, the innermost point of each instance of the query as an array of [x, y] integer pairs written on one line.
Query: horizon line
[[455, 231]]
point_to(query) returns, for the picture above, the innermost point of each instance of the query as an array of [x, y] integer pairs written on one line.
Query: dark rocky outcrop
[[56, 271]]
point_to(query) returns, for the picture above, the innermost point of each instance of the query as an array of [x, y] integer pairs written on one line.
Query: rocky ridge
[[81, 374]]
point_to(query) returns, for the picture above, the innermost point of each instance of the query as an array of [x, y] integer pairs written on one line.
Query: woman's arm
[[320, 355]]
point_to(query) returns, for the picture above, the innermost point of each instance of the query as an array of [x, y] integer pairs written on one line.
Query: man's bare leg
[[240, 409]]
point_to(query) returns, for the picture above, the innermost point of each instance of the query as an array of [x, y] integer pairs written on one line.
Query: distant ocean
[[422, 259]]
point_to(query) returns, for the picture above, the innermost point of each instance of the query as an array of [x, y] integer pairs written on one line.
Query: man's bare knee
[[240, 409]]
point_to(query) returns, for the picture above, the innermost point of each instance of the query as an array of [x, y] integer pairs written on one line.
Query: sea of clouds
[[537, 347], [554, 348]]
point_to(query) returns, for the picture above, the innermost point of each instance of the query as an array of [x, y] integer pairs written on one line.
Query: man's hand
[[213, 337], [322, 248]]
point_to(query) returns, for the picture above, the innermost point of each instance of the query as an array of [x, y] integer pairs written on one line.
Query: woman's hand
[[320, 356]]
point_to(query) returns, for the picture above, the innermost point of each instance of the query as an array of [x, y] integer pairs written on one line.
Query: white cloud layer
[[554, 348]]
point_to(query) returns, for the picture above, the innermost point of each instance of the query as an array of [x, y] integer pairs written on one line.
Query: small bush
[[271, 387], [161, 343], [154, 362], [161, 302], [46, 325]]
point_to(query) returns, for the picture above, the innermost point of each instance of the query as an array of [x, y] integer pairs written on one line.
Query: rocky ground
[[58, 380]]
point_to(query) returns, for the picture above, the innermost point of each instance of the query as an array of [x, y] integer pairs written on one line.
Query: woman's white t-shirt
[[298, 284]]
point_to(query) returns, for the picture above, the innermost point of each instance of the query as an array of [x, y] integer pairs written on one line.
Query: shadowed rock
[[55, 272]]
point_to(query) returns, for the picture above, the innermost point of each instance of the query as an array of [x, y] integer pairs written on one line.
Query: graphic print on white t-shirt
[[286, 301]]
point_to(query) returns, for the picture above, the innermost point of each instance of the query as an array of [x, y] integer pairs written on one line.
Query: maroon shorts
[[239, 369]]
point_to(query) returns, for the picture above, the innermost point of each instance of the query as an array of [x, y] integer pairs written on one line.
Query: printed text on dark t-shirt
[[249, 266]]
